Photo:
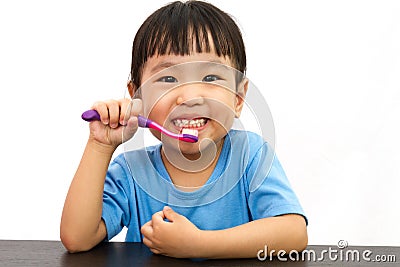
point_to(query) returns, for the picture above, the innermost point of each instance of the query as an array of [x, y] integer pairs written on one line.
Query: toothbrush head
[[189, 135]]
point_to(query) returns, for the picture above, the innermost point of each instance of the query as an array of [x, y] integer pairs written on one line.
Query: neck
[[189, 172]]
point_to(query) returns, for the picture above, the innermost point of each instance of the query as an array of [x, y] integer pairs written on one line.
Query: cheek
[[221, 127], [224, 96], [156, 113], [222, 107], [222, 119], [158, 110]]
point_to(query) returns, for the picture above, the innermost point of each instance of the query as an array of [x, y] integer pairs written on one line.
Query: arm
[[181, 238], [286, 232], [81, 225]]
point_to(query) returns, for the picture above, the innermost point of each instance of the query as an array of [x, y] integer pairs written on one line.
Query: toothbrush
[[187, 135]]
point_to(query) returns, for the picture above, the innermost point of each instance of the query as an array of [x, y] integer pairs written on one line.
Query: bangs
[[184, 28], [180, 29]]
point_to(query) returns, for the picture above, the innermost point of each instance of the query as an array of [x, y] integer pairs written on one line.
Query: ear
[[131, 88], [240, 96]]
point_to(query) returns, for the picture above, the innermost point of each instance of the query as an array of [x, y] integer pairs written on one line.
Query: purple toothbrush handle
[[93, 115], [143, 122]]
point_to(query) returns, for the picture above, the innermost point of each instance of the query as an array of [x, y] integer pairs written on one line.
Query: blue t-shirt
[[248, 183]]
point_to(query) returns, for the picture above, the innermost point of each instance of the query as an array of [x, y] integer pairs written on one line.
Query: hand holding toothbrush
[[186, 135], [112, 119]]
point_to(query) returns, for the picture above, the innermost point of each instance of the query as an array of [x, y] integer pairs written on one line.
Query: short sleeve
[[116, 197], [270, 193]]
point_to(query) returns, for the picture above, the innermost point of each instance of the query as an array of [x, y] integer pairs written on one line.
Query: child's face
[[181, 92]]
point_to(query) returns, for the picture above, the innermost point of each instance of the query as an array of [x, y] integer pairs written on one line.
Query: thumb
[[170, 214], [130, 129]]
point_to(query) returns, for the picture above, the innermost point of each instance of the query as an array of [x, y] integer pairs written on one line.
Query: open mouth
[[191, 124]]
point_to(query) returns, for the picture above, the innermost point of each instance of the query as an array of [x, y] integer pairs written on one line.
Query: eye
[[211, 78], [167, 79]]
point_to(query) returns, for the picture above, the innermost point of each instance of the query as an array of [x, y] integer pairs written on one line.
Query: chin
[[189, 148]]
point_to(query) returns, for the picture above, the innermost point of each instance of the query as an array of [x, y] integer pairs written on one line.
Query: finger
[[114, 113], [125, 111], [149, 223], [147, 242], [170, 214], [130, 128], [155, 251], [158, 217], [147, 229], [102, 109], [137, 107]]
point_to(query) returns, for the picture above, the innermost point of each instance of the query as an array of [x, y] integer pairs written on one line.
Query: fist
[[118, 121]]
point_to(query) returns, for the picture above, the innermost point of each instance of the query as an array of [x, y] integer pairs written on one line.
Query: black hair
[[178, 26]]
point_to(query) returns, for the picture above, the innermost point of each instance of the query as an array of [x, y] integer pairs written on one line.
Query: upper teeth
[[189, 123]]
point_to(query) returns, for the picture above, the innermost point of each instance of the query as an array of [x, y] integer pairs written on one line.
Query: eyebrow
[[161, 66], [219, 64], [167, 64]]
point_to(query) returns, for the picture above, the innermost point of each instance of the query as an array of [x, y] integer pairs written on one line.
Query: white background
[[329, 70]]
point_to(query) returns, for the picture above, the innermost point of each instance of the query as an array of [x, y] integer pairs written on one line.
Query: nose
[[190, 96]]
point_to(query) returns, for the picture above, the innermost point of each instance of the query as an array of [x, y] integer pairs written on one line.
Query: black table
[[52, 253]]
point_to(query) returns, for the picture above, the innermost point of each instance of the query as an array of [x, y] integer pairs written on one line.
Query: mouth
[[196, 123]]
